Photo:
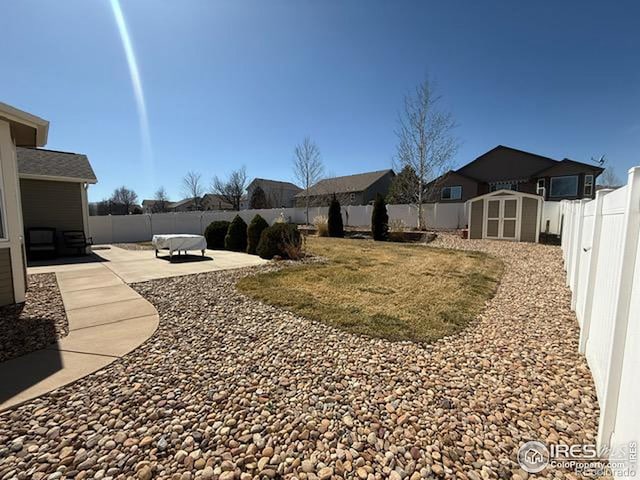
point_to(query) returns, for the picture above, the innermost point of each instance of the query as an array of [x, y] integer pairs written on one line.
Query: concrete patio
[[134, 266], [107, 318]]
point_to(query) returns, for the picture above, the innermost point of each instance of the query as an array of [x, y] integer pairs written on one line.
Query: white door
[[501, 221]]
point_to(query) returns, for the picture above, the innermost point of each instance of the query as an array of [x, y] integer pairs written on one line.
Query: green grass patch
[[386, 290]]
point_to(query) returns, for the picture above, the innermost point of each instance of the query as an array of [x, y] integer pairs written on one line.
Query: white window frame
[[513, 186], [352, 197], [588, 184], [541, 187], [451, 187], [575, 194]]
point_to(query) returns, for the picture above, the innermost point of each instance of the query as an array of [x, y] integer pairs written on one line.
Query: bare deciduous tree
[[232, 189], [193, 188], [125, 197], [609, 178], [307, 168], [425, 142], [161, 201]]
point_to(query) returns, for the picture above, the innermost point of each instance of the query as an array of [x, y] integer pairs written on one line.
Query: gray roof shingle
[[51, 163], [347, 184], [274, 183]]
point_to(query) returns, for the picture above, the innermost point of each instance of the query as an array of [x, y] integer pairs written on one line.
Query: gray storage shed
[[505, 215]]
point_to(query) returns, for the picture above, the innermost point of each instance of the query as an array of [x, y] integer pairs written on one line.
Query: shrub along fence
[[602, 258], [140, 228]]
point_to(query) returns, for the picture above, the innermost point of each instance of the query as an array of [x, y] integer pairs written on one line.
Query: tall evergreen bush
[[336, 229]]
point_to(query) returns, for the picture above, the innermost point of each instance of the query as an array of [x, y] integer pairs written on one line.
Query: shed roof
[[39, 162]]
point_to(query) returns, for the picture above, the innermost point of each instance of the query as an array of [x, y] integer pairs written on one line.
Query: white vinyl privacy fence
[[140, 228], [602, 258]]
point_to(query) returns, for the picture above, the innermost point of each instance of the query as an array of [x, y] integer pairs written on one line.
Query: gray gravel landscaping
[[229, 388], [38, 322]]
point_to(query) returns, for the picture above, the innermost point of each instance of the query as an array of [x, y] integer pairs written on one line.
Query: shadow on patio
[[61, 261], [27, 354]]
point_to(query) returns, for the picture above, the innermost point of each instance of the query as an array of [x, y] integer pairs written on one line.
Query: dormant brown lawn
[[382, 289]]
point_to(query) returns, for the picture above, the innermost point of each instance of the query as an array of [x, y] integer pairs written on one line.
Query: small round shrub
[[236, 238], [215, 233], [256, 226], [380, 219], [282, 239], [334, 222]]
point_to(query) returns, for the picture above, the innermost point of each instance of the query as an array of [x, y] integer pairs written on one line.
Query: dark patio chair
[[42, 242], [76, 240]]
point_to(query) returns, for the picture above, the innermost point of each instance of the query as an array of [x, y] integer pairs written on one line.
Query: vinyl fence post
[[631, 230], [577, 244], [594, 252], [572, 239]]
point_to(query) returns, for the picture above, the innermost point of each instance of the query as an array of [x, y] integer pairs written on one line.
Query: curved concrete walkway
[[107, 319]]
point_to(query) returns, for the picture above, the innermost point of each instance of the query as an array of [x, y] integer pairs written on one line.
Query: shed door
[[509, 218], [502, 218], [493, 218]]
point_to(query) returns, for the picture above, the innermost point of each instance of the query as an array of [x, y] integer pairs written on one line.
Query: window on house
[[540, 188], [352, 197], [564, 186], [503, 186], [588, 185], [451, 193]]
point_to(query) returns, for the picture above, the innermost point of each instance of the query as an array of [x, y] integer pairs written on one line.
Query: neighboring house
[[358, 189], [155, 206], [511, 169], [53, 187], [208, 201], [107, 207], [40, 188], [212, 201], [185, 205], [279, 194]]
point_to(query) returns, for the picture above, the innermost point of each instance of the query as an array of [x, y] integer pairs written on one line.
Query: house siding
[[580, 195], [52, 204], [469, 188], [529, 219], [277, 196], [6, 277], [380, 186], [477, 211]]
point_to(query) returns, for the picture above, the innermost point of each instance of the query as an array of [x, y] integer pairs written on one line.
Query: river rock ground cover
[[230, 388], [36, 323]]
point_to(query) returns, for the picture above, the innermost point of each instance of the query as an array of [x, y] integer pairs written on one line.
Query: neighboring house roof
[[264, 182], [347, 184], [179, 203], [213, 198], [506, 163], [38, 162], [567, 166]]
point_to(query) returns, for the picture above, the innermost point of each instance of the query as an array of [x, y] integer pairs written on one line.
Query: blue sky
[[230, 83]]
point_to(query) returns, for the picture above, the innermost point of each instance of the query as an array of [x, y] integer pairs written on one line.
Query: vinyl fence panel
[[601, 251], [138, 228]]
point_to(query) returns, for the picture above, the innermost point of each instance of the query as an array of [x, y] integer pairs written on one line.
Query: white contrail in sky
[[136, 83]]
